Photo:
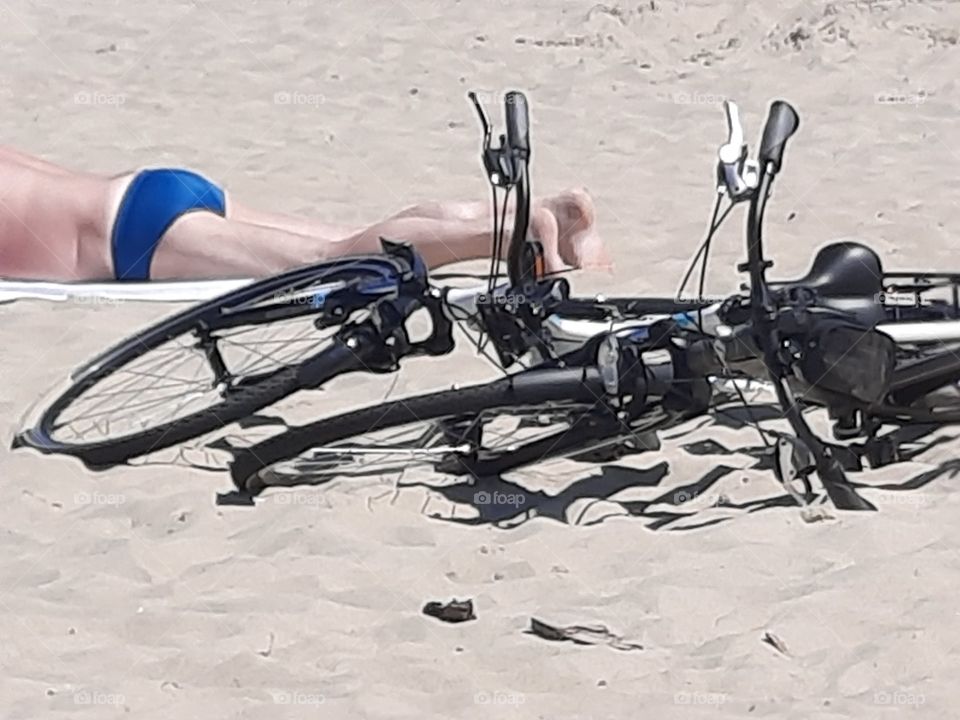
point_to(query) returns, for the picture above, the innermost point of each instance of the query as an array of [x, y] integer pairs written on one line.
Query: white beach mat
[[106, 292]]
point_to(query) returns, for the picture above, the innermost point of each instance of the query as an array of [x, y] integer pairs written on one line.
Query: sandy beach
[[131, 593]]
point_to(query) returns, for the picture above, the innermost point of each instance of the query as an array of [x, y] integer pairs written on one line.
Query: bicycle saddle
[[842, 270], [845, 276]]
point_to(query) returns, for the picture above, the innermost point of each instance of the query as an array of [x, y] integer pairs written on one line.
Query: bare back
[[53, 222]]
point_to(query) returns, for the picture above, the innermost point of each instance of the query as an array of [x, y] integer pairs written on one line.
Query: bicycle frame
[[534, 320], [569, 333], [537, 321]]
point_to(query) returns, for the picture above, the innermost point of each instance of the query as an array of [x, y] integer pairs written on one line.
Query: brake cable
[[499, 228], [713, 225], [716, 220]]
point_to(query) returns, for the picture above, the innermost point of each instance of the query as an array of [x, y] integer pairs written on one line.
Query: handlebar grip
[[782, 123], [517, 120]]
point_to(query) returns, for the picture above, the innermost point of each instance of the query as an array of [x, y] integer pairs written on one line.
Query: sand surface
[[129, 593]]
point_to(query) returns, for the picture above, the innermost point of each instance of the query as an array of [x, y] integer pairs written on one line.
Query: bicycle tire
[[574, 385], [235, 407], [267, 390]]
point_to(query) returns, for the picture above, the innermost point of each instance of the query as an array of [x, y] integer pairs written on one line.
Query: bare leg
[[452, 231], [291, 223], [448, 232], [204, 245]]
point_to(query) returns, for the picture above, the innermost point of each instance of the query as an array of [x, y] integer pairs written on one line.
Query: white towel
[[154, 291]]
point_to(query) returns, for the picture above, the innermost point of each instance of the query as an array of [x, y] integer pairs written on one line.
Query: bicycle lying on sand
[[598, 377]]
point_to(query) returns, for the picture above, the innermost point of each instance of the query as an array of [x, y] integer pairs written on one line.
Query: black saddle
[[845, 276], [842, 269]]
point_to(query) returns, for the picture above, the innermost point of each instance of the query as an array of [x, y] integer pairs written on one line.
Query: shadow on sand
[[504, 503]]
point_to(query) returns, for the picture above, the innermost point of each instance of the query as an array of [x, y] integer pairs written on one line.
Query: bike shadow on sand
[[912, 441], [504, 503], [949, 468], [917, 438]]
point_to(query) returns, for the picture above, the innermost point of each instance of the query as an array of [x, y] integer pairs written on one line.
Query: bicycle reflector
[[608, 362]]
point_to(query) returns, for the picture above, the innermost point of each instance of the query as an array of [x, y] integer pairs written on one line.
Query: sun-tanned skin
[[55, 224]]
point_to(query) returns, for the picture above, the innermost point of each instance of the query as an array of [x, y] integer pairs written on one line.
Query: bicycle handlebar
[[782, 123], [517, 144], [517, 121]]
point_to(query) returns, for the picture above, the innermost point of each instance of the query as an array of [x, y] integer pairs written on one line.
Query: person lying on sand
[[167, 223]]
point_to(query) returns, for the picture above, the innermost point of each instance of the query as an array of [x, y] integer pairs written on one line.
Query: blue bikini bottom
[[153, 200]]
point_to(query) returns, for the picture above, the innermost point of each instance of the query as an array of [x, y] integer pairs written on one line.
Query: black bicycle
[[841, 337], [601, 375]]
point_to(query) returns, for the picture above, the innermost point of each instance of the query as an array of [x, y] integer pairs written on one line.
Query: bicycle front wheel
[[505, 424]]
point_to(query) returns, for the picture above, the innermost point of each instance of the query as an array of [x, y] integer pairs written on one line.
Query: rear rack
[[898, 287]]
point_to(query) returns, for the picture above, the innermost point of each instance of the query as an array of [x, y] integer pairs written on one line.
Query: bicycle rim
[[199, 360]]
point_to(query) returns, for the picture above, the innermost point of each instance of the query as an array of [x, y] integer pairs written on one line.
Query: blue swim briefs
[[153, 200]]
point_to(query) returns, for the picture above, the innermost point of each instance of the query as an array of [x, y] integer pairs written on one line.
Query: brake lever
[[484, 120], [497, 164], [737, 175], [734, 148]]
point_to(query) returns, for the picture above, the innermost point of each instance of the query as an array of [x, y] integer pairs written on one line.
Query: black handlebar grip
[[518, 121], [782, 123]]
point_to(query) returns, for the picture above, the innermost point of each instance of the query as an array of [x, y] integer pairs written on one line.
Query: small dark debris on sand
[[266, 653], [581, 635], [455, 611], [776, 643]]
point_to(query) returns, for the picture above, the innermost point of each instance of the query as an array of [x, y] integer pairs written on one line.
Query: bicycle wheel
[[481, 430], [933, 398], [211, 364]]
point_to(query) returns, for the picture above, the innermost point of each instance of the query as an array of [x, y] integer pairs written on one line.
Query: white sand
[[129, 592]]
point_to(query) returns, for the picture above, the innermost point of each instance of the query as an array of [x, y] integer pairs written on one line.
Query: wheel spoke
[[269, 356], [141, 390], [169, 380], [136, 406]]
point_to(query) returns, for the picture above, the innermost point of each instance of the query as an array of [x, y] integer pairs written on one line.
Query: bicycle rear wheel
[[211, 364], [505, 424], [933, 396]]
